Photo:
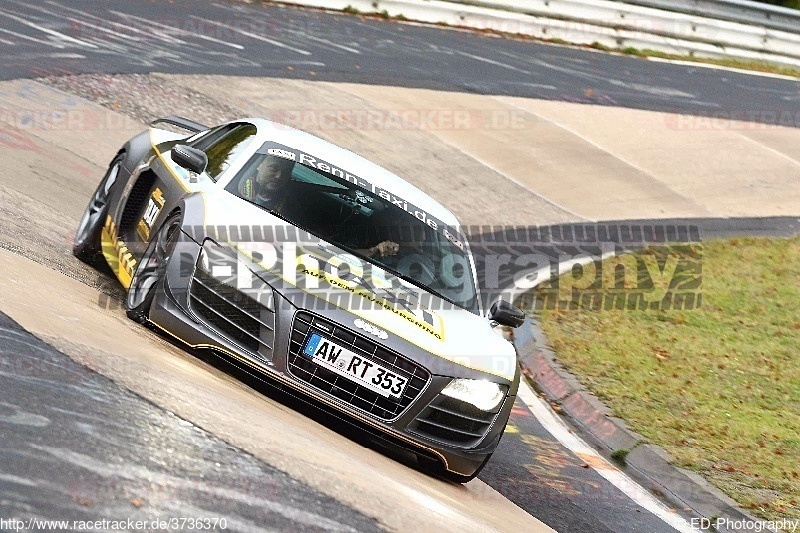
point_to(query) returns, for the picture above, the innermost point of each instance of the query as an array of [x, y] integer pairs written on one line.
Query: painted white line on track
[[116, 24], [492, 62], [64, 55], [54, 33], [545, 415], [556, 427], [512, 179], [32, 39], [152, 31], [333, 44], [770, 149], [113, 34], [254, 36], [166, 28], [77, 23], [531, 85]]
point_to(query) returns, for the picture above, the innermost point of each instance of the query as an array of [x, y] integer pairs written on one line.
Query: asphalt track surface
[[115, 36], [530, 467], [76, 446]]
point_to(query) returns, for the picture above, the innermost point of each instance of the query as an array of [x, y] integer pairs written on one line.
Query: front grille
[[342, 388], [450, 421], [235, 315]]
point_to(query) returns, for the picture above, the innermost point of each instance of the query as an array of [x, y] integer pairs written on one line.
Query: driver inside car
[[270, 187]]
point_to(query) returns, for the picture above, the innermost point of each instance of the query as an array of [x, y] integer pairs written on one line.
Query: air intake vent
[[235, 315], [453, 422]]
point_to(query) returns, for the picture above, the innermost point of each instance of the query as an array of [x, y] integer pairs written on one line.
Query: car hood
[[378, 298]]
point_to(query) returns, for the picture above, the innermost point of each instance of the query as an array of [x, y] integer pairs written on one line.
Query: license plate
[[354, 367]]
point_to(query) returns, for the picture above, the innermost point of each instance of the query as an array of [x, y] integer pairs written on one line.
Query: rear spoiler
[[181, 122]]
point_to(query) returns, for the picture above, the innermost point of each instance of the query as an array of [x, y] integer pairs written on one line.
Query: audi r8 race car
[[320, 271]]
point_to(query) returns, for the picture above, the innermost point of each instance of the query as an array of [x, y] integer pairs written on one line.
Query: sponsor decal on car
[[154, 206], [117, 255], [286, 154], [412, 312]]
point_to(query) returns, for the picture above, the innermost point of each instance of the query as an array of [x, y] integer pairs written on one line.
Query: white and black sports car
[[317, 269]]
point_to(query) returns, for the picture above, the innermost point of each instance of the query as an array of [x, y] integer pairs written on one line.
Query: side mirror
[[189, 158], [506, 314]]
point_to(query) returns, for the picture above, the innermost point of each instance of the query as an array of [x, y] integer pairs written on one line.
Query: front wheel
[[87, 245], [151, 270]]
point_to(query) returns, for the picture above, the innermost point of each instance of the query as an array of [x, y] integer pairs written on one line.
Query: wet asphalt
[[253, 39], [76, 446]]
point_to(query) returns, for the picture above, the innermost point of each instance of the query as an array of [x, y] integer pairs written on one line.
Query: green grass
[[758, 66], [743, 64], [620, 455], [378, 14], [718, 387]]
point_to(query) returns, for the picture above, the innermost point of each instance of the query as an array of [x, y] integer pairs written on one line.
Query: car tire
[[87, 246], [150, 270]]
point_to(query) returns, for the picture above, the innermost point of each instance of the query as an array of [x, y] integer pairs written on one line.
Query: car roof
[[353, 163]]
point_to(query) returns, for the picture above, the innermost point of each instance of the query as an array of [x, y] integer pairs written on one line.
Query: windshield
[[347, 212]]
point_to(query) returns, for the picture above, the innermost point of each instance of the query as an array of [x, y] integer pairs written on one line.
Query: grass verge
[[742, 64], [719, 386]]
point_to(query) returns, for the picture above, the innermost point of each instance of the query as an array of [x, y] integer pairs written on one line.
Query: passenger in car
[[382, 249]]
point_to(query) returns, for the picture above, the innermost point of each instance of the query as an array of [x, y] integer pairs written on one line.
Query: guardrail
[[744, 11], [608, 23], [722, 34]]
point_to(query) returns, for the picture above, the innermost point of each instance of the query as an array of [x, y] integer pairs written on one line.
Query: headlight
[[220, 263], [485, 395], [202, 261], [224, 264]]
